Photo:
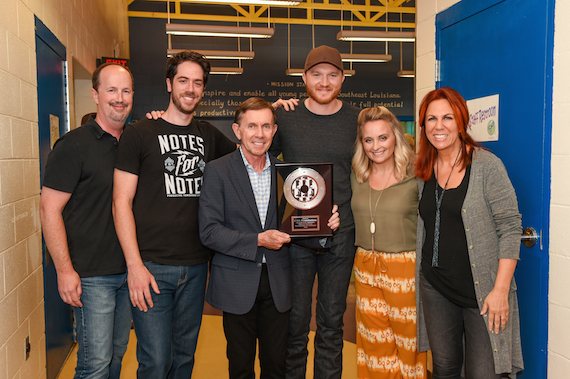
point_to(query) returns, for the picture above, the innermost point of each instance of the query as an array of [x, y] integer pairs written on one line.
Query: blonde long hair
[[403, 154]]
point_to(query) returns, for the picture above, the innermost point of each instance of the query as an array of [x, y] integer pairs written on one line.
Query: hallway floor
[[211, 359]]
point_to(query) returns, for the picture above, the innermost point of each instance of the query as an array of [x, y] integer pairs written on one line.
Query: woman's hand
[[496, 304]]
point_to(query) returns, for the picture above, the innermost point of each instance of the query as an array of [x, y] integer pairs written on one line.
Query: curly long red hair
[[427, 154]]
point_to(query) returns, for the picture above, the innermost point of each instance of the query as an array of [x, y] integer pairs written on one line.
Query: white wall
[[425, 45], [559, 296], [89, 29], [84, 103]]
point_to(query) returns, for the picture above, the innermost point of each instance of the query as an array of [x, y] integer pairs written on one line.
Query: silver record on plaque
[[304, 188]]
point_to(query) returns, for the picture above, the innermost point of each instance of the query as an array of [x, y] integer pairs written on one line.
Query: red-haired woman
[[468, 243]]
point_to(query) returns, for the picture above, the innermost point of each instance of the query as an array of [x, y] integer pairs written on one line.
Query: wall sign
[[223, 101], [484, 118], [121, 61]]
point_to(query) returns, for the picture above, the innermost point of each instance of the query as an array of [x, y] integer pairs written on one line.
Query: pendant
[[372, 227]]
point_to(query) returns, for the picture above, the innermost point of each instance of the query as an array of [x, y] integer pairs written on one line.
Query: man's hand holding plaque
[[305, 199]]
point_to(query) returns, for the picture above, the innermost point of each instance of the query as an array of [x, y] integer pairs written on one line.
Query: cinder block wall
[[559, 296], [88, 29]]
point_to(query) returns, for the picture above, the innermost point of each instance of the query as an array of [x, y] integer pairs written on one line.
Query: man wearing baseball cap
[[322, 128]]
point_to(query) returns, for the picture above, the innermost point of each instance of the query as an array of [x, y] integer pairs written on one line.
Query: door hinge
[[437, 70]]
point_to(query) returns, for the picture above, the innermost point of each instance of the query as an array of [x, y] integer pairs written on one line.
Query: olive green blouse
[[395, 218]]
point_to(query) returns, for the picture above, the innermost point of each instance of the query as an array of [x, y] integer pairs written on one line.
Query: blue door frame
[[50, 56]]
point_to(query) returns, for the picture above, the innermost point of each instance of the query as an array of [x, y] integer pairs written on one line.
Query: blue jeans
[[450, 328], [168, 333], [103, 326], [333, 268]]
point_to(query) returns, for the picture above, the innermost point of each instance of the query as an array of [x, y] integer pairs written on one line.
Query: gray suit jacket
[[229, 225]]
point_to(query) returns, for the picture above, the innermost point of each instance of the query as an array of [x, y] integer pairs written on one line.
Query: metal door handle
[[529, 237]]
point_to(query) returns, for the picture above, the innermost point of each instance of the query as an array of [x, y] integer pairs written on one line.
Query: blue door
[[488, 47], [50, 56]]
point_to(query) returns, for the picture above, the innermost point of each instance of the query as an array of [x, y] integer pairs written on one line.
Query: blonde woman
[[384, 204]]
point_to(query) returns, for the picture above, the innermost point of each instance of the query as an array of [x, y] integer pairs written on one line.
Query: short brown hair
[[187, 56], [253, 103], [96, 79]]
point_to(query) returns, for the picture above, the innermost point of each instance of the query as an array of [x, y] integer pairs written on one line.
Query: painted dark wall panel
[[373, 84]]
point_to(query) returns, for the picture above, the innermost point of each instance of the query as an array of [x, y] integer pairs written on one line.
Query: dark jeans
[[263, 323], [450, 328], [168, 333], [333, 268]]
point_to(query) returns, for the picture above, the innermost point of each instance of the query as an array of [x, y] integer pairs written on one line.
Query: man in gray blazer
[[250, 278]]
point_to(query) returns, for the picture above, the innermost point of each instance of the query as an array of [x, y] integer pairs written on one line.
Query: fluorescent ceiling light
[[260, 2], [217, 54], [300, 72], [366, 57], [294, 72], [226, 70], [218, 31], [375, 35], [406, 74]]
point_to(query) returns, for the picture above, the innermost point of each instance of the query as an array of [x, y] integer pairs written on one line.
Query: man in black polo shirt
[[77, 222]]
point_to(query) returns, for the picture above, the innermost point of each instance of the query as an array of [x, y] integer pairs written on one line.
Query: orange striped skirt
[[386, 316]]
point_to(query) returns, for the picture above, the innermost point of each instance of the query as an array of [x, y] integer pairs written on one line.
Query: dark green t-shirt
[[304, 137]]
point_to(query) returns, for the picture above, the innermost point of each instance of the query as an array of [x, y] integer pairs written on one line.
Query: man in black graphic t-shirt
[[158, 180]]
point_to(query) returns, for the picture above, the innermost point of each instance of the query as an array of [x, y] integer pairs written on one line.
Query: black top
[[169, 161], [453, 278], [81, 163]]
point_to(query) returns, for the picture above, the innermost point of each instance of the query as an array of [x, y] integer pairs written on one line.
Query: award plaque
[[304, 193]]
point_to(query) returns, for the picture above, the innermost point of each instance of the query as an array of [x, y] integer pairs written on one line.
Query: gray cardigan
[[493, 229]]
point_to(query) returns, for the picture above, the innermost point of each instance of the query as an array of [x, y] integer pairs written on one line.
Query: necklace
[[372, 213], [438, 200]]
